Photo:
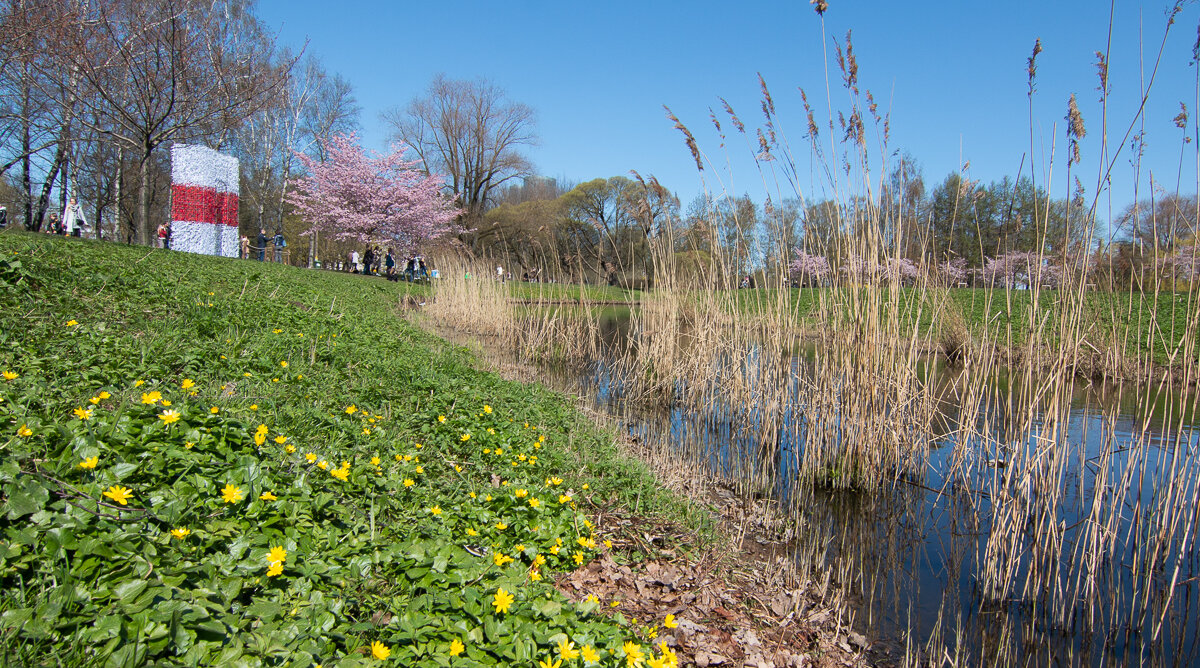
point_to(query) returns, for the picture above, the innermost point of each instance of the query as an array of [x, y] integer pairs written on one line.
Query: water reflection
[[913, 552]]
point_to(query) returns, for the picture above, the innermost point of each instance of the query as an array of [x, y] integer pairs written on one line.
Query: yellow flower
[[521, 493], [71, 323], [139, 382], [351, 409], [283, 363], [246, 374], [104, 395], [180, 533], [253, 407], [502, 600], [591, 598], [456, 647], [280, 439], [539, 560], [633, 653], [323, 464], [274, 568], [380, 651], [589, 653], [310, 457], [187, 384], [567, 650], [435, 510], [119, 494], [214, 410], [169, 416], [151, 398], [457, 468], [441, 418], [366, 432], [231, 494], [276, 331], [564, 498], [420, 469], [501, 526], [94, 400], [165, 403], [466, 437], [545, 663], [341, 474], [83, 414], [24, 431], [535, 574], [188, 445], [487, 408], [277, 553], [89, 463], [578, 557], [267, 496], [499, 558], [374, 461], [534, 503], [289, 448], [668, 654], [408, 482], [10, 375], [472, 532]]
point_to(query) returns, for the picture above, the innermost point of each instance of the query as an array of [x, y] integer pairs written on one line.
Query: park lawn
[[1143, 326], [221, 462]]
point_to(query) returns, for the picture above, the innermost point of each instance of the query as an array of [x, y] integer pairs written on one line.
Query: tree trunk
[[48, 186], [144, 229], [32, 224]]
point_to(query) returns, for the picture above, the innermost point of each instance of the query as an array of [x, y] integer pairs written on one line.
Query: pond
[[1089, 578]]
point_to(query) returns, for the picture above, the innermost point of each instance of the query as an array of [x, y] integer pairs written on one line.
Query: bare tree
[[159, 71], [471, 132], [313, 107]]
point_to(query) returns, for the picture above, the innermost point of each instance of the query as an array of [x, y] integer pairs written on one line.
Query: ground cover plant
[[232, 463]]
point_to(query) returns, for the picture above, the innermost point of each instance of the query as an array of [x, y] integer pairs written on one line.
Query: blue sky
[[951, 74]]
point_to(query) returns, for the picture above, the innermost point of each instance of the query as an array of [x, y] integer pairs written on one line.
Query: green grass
[[1143, 326], [571, 292], [265, 364]]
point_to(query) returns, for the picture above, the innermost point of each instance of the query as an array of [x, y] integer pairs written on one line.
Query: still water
[[911, 554]]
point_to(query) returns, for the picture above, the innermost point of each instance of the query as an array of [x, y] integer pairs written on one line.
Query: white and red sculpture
[[204, 201]]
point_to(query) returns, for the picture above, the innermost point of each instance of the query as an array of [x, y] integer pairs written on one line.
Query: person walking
[[260, 244], [161, 235], [390, 264], [245, 247], [73, 219], [368, 260], [280, 244]]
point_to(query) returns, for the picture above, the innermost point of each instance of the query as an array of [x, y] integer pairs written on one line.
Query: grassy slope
[[86, 580]]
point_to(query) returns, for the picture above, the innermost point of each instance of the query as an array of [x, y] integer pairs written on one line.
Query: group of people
[[374, 262], [72, 223], [260, 246]]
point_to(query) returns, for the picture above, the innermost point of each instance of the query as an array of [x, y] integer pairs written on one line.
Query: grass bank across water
[[222, 462]]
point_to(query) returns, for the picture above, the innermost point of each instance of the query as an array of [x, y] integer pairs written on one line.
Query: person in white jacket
[[73, 219]]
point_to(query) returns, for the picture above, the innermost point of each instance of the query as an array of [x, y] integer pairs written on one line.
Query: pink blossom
[[808, 265], [382, 199]]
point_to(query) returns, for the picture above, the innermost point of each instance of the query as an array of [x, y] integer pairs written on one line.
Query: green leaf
[[129, 590]]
